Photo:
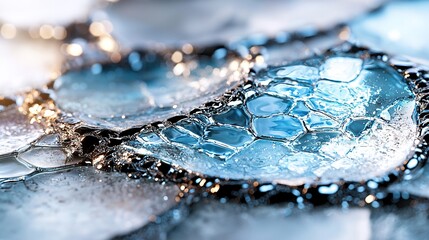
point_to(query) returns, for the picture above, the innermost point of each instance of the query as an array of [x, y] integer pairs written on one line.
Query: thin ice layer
[[337, 129], [400, 27], [141, 24], [215, 220], [81, 204], [47, 157], [10, 167], [141, 90], [418, 185]]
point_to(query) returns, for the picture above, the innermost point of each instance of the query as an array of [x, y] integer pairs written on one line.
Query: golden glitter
[[46, 31], [108, 44], [60, 33], [8, 31], [177, 57], [369, 198], [215, 188], [187, 48], [74, 49], [97, 29]]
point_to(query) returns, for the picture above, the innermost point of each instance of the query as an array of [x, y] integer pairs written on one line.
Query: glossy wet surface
[[141, 90], [323, 118], [337, 116]]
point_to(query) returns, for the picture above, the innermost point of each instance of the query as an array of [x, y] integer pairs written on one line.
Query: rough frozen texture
[[16, 131], [81, 204], [147, 90], [298, 126], [230, 221], [400, 27], [142, 23]]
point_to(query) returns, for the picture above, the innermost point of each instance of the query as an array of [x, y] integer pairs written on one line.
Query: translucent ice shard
[[143, 88], [291, 128], [16, 131], [400, 27], [266, 105], [280, 127], [63, 204], [10, 167], [47, 157], [297, 72]]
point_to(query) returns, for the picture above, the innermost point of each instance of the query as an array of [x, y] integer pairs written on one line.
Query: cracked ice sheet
[[82, 203], [346, 119], [47, 157], [142, 23]]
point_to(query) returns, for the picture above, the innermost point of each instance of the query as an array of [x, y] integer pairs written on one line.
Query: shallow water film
[[214, 120]]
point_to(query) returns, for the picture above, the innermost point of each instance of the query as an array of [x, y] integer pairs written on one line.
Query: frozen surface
[[280, 53], [396, 224], [80, 204], [16, 131], [297, 126], [10, 167], [419, 185], [400, 27], [214, 220], [47, 157], [146, 90], [141, 23]]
